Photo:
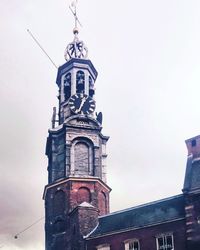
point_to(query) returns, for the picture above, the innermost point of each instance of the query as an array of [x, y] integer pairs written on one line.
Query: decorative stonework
[[76, 49]]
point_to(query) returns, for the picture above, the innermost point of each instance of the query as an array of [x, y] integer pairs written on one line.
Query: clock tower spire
[[76, 192]]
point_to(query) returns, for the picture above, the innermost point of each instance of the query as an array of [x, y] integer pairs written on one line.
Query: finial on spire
[[76, 49], [73, 8]]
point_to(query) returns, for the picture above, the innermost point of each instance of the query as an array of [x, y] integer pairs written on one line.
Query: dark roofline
[[135, 218], [129, 229], [71, 63], [143, 205]]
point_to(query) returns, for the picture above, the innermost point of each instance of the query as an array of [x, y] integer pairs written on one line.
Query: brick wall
[[146, 237]]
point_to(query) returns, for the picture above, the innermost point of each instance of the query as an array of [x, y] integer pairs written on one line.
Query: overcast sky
[[147, 54]]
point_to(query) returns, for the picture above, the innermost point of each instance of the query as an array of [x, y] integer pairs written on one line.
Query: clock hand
[[82, 103]]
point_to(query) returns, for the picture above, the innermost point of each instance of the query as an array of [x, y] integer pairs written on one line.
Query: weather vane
[[77, 48], [73, 8]]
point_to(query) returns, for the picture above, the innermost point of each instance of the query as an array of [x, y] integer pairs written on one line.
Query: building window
[[83, 195], [103, 247], [74, 229], [103, 204], [194, 143], [80, 81], [82, 157], [59, 203], [132, 244], [91, 87], [81, 152], [59, 226], [67, 86], [165, 242]]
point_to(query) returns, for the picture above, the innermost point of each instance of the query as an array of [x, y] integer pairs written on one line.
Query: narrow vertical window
[[194, 143], [59, 202], [81, 155], [91, 87], [67, 86], [165, 242], [80, 81], [102, 205], [132, 244]]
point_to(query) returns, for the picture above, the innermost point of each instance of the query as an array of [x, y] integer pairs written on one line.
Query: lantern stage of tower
[[75, 77]]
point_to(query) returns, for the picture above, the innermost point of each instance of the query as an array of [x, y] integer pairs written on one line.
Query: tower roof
[[78, 63]]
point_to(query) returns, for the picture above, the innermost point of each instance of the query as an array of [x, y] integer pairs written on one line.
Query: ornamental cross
[[73, 8]]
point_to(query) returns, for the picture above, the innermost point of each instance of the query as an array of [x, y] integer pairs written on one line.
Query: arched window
[[59, 203], [102, 203], [67, 86], [83, 195], [132, 244], [103, 247], [80, 81], [59, 226], [81, 158], [91, 87]]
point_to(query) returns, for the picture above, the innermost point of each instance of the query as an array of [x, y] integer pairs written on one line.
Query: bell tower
[[76, 192]]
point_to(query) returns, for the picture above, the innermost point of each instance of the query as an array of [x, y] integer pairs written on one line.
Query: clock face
[[82, 104]]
